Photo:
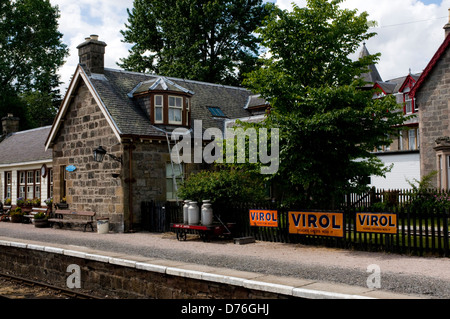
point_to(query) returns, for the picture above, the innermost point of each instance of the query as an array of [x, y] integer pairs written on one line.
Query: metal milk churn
[[207, 213], [193, 214], [185, 211]]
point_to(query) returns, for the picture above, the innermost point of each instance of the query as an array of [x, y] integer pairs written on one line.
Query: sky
[[408, 31]]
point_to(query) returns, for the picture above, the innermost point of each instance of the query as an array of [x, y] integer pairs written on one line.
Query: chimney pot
[[10, 124], [92, 54], [447, 26]]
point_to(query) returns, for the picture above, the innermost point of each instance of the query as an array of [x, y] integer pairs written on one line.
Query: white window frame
[[178, 170], [175, 108], [187, 111], [412, 138], [400, 141], [408, 104], [8, 184], [22, 185], [159, 106]]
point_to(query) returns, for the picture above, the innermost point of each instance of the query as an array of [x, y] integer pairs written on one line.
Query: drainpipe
[[130, 180]]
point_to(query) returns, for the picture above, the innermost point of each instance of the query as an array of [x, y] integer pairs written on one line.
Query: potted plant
[[8, 201], [29, 203], [16, 216], [40, 220], [37, 202], [20, 201], [49, 203]]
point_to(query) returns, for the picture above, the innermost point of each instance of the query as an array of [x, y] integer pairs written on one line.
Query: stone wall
[[91, 187], [433, 102], [115, 281], [150, 159]]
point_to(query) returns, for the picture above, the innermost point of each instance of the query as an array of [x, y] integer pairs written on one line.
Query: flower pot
[[41, 223], [16, 218]]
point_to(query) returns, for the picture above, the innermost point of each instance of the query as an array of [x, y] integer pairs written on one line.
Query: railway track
[[14, 287]]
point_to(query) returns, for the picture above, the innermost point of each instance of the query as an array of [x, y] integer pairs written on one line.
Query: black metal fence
[[424, 232], [418, 232], [156, 216]]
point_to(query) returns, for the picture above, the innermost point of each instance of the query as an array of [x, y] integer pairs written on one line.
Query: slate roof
[[115, 87], [372, 76], [25, 146]]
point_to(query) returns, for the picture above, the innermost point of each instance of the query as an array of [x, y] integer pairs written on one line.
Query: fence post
[[445, 228]]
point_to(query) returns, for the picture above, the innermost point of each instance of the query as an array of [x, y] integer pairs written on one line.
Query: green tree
[[205, 40], [223, 186], [31, 51], [329, 126]]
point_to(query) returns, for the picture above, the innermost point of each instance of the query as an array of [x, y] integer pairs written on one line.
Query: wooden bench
[[62, 217], [27, 217]]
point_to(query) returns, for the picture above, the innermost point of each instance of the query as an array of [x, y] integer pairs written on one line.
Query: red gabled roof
[[409, 79], [430, 66], [378, 86]]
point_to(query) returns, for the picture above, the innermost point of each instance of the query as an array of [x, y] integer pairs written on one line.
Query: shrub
[[40, 215], [16, 212], [223, 186]]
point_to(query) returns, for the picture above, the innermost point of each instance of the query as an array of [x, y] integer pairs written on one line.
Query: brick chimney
[[92, 54], [10, 124], [447, 26]]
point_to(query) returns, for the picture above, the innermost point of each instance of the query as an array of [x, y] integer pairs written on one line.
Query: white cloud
[[80, 19]]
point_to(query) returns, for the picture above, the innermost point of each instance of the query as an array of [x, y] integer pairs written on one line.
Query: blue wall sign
[[71, 168]]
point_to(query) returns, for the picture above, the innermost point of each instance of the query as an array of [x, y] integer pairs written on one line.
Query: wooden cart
[[205, 232]]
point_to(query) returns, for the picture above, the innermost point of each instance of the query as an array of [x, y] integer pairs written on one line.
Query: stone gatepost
[[442, 149]]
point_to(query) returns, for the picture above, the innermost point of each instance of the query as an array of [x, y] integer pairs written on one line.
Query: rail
[[33, 283]]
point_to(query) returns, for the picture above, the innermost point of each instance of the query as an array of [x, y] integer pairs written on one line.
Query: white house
[[25, 166]]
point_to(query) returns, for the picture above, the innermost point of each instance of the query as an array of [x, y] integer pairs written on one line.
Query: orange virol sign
[[320, 224], [263, 218], [376, 223]]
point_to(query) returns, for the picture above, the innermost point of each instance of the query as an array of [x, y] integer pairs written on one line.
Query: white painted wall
[[14, 168], [406, 167]]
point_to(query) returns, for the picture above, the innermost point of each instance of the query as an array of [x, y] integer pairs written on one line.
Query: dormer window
[[164, 101]]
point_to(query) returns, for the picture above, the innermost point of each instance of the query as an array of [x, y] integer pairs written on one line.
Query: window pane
[[175, 115], [30, 193], [216, 111], [175, 101], [158, 100], [412, 139], [158, 114], [22, 191], [177, 169], [30, 178], [37, 193]]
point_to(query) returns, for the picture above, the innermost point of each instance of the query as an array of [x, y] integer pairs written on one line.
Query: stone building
[[403, 155], [131, 116], [432, 97]]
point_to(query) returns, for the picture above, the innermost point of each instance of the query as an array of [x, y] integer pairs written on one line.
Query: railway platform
[[268, 267]]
